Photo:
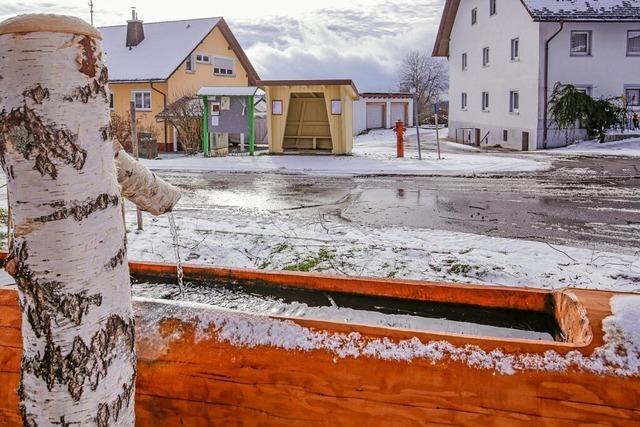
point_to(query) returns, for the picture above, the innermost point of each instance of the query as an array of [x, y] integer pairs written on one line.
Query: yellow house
[[157, 63]]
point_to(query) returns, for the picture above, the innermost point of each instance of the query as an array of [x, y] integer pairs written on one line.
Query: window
[[632, 96], [505, 135], [583, 89], [514, 101], [203, 58], [223, 66], [189, 64], [474, 16], [580, 43], [485, 57], [463, 101], [464, 61], [485, 101], [336, 107], [141, 99], [633, 42], [111, 100], [492, 7], [515, 49], [276, 107]]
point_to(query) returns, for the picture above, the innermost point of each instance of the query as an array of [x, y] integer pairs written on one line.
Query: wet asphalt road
[[582, 201]]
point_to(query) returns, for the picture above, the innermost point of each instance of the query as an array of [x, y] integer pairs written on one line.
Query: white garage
[[375, 110]]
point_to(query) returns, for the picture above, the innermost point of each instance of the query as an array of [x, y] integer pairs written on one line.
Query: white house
[[381, 110], [506, 56]]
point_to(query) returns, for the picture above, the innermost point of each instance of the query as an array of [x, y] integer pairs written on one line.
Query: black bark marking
[[84, 363], [105, 132], [45, 301], [32, 138], [81, 210], [91, 90], [37, 94], [117, 259], [108, 411]]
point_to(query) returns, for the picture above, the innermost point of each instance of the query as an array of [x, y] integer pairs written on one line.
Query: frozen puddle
[[358, 309]]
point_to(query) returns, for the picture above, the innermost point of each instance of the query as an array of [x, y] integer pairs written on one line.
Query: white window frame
[[486, 105], [493, 7], [584, 88], [465, 61], [486, 56], [189, 64], [203, 58], [515, 49], [233, 71], [589, 34], [514, 101], [464, 99], [142, 92], [629, 53], [474, 16]]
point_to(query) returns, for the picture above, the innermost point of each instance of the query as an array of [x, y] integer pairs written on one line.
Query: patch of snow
[[625, 147], [373, 154], [620, 354]]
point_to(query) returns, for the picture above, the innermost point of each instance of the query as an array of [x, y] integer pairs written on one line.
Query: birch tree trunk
[[69, 254]]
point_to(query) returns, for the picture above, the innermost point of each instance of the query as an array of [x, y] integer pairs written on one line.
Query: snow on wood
[[619, 355]]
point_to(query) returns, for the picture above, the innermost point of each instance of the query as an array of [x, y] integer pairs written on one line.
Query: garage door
[[375, 116], [398, 111]]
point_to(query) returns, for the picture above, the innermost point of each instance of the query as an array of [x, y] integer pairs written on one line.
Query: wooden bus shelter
[[310, 115]]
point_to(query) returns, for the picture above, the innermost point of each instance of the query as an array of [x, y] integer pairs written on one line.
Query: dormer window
[[223, 66], [203, 58]]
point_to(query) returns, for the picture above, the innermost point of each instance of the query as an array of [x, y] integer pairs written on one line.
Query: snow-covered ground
[[271, 240], [374, 153], [625, 147]]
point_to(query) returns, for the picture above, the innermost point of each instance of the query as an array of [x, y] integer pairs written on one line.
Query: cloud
[[365, 43]]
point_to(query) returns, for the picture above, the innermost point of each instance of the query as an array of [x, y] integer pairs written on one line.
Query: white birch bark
[[141, 186], [69, 254]]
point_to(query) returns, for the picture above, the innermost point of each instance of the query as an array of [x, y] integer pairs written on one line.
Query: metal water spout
[[69, 254]]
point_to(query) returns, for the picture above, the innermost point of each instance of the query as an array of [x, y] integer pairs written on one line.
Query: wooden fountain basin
[[202, 366]]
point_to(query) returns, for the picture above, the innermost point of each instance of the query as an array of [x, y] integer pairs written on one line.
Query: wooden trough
[[202, 366]]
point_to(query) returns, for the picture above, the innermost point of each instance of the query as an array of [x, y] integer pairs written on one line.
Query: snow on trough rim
[[620, 354]]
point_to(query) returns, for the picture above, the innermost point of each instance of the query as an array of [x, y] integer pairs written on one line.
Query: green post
[[205, 126], [252, 131]]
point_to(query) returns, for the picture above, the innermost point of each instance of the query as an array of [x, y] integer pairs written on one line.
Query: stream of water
[[176, 248]]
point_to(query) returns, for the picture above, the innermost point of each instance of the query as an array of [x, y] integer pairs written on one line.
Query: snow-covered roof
[[164, 48], [584, 10], [227, 91]]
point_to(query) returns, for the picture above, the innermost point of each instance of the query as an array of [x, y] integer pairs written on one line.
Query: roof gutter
[[545, 113], [164, 101]]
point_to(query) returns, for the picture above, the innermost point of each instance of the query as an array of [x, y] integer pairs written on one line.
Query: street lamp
[[416, 119]]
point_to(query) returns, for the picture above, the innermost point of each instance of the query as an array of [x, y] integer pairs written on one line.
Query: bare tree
[[426, 74], [185, 115]]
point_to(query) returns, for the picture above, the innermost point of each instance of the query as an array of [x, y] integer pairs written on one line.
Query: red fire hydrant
[[400, 138]]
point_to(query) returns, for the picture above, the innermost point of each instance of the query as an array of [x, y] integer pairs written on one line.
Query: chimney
[[135, 30]]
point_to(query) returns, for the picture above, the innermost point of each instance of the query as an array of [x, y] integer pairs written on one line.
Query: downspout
[[545, 113], [164, 98]]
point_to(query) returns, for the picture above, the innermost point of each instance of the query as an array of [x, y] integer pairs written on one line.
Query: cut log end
[[41, 22]]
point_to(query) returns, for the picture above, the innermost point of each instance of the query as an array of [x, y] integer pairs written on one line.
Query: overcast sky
[[363, 39]]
